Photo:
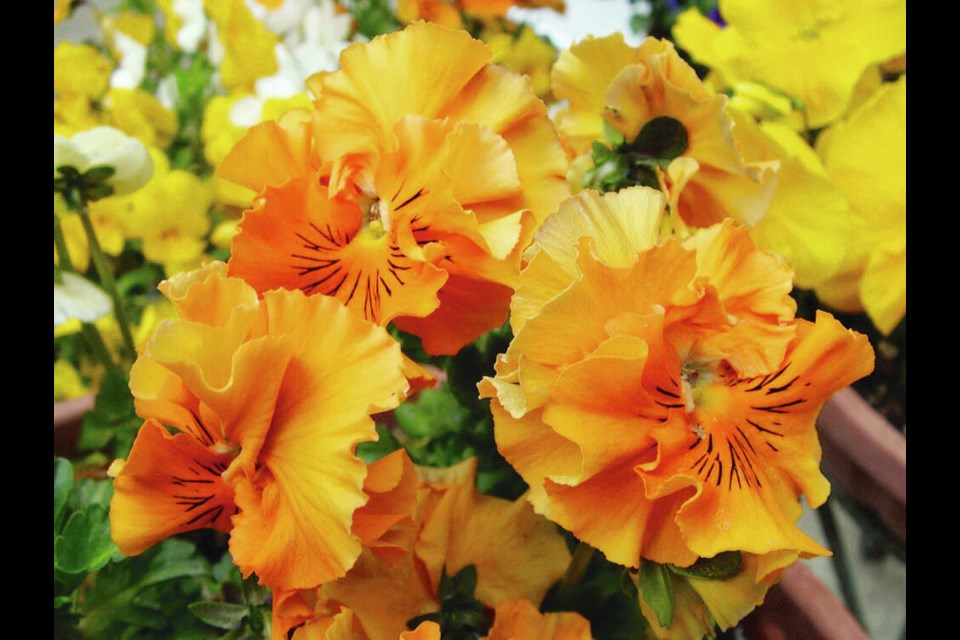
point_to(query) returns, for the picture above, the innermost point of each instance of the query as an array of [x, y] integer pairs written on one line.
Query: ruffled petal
[[520, 620], [460, 527], [168, 485]]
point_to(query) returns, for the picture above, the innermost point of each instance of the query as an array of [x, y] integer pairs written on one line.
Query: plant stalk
[[841, 565], [575, 572], [107, 280], [90, 332]]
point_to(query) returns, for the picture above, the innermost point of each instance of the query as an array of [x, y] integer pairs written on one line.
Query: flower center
[[376, 214]]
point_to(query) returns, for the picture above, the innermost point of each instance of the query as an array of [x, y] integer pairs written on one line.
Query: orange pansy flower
[[517, 555], [607, 81], [658, 396], [408, 192], [252, 418], [447, 12], [521, 620]]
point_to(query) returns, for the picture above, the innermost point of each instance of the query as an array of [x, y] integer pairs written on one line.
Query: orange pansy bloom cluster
[[448, 526], [408, 192], [658, 396], [252, 417]]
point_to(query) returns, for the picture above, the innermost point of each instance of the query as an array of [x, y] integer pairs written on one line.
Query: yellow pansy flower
[[222, 129], [138, 26], [248, 47], [67, 382], [808, 221], [526, 53], [139, 114], [80, 70], [866, 158], [107, 216], [169, 215], [813, 50]]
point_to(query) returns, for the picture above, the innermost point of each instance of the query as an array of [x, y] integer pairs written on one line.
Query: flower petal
[[168, 485]]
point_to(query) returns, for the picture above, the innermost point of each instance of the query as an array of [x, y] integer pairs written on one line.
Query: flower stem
[[841, 564], [575, 572], [89, 331], [106, 278]]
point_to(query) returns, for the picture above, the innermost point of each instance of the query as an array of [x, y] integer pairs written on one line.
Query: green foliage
[[446, 425], [385, 444], [141, 597], [141, 279], [62, 483], [723, 565], [193, 76], [78, 188], [657, 591], [606, 596], [374, 17], [84, 544], [659, 141], [81, 530], [663, 15], [112, 424], [100, 594], [221, 615], [434, 414], [620, 164], [461, 616]]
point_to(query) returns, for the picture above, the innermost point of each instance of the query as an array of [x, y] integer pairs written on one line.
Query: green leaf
[[85, 544], [62, 483], [372, 451], [434, 413], [644, 175], [224, 570], [414, 622], [466, 370], [253, 593], [118, 603], [465, 581], [240, 634], [611, 135], [656, 591], [98, 191], [723, 565], [601, 153], [98, 174], [144, 278], [662, 138], [113, 418], [89, 491], [221, 615], [69, 173], [639, 24]]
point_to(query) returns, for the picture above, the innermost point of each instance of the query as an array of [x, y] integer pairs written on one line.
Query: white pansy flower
[[167, 92], [314, 35], [105, 147], [283, 19], [133, 62], [194, 26], [77, 297]]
